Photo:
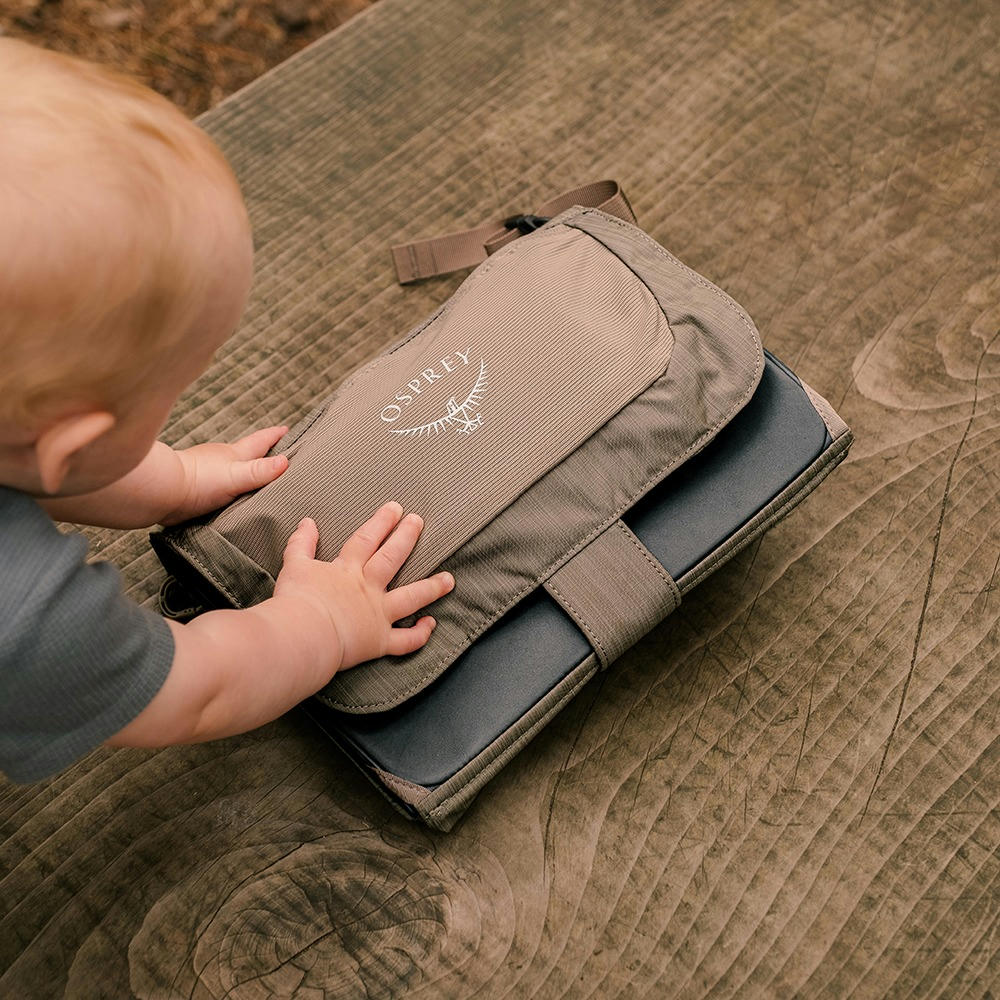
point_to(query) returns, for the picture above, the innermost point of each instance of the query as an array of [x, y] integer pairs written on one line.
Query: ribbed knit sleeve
[[78, 660]]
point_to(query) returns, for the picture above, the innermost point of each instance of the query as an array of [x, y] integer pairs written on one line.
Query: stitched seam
[[442, 661], [578, 618], [714, 289], [672, 588], [211, 576], [825, 411], [460, 293], [310, 419], [644, 552]]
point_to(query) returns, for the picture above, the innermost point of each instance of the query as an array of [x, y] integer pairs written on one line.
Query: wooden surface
[[790, 788]]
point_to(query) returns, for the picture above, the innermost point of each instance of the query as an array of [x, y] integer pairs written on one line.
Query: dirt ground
[[193, 51]]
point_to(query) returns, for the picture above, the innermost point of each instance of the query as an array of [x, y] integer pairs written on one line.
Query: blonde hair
[[101, 182]]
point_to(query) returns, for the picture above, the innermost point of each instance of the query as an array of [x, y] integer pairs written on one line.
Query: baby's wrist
[[173, 478], [307, 624]]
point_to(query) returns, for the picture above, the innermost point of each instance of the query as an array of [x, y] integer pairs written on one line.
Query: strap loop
[[438, 255], [615, 590]]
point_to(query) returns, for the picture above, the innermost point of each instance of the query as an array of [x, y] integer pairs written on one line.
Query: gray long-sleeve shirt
[[78, 660]]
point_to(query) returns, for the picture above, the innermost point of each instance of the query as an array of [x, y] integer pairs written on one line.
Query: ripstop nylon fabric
[[615, 590]]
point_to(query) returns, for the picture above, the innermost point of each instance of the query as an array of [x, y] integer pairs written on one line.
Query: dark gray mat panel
[[426, 740]]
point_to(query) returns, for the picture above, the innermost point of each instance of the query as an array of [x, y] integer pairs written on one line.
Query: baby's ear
[[59, 442]]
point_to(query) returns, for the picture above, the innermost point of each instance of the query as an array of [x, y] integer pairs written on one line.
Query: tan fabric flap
[[520, 420], [615, 590], [538, 350]]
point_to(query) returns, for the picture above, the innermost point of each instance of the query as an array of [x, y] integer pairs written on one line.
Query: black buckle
[[176, 603], [525, 223]]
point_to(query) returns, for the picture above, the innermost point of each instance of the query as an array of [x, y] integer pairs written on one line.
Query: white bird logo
[[457, 412]]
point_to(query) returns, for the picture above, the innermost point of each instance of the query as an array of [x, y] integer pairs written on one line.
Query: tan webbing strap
[[444, 254], [615, 590]]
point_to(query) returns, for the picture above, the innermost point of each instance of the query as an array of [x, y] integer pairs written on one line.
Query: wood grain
[[791, 787]]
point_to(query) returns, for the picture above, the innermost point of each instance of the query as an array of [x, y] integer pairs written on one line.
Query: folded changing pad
[[589, 428]]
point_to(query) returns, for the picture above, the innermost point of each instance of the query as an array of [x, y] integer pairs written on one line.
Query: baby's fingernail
[[433, 623], [447, 579]]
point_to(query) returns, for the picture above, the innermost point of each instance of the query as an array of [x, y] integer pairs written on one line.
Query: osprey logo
[[460, 415]]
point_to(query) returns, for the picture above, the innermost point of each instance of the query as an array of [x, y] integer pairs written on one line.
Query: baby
[[125, 261]]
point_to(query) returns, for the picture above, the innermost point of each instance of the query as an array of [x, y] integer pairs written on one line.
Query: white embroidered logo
[[461, 415]]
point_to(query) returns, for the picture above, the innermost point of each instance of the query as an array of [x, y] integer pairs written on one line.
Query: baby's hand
[[215, 474], [233, 670], [351, 590]]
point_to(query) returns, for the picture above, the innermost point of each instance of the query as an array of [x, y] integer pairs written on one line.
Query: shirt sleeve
[[78, 660]]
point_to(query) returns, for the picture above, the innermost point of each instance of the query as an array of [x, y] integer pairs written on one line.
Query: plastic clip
[[525, 223]]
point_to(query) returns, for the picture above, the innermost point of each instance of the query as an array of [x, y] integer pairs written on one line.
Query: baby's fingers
[[251, 475], [302, 542], [360, 547], [404, 601], [392, 553], [259, 443], [406, 640]]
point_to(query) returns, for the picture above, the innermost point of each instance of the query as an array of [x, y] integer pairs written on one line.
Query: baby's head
[[125, 261]]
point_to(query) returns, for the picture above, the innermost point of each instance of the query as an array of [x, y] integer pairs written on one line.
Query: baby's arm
[[234, 670], [170, 486]]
